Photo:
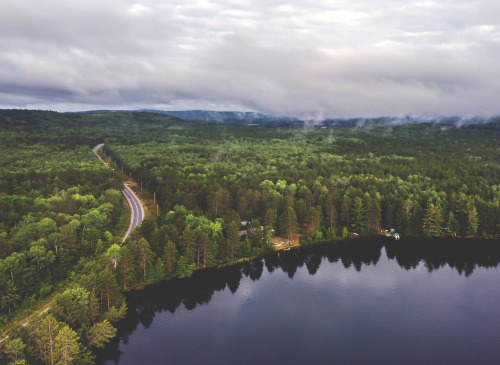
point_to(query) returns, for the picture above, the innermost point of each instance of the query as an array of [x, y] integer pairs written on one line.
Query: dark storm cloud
[[332, 58]]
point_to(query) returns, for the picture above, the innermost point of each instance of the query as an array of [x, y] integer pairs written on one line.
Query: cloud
[[342, 58]]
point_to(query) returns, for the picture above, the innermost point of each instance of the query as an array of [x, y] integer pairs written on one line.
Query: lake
[[376, 300]]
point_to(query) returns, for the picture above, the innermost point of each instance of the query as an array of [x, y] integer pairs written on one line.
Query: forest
[[224, 192]]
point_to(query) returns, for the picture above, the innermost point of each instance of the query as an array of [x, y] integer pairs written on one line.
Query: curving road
[[136, 209]]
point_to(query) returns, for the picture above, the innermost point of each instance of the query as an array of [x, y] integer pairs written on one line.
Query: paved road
[[136, 210]]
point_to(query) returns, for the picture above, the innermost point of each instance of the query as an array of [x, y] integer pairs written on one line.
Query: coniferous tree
[[126, 267], [473, 222], [451, 225], [101, 333], [358, 220], [432, 221], [331, 214], [144, 255], [170, 258], [188, 245], [345, 212], [66, 347], [288, 223], [373, 216]]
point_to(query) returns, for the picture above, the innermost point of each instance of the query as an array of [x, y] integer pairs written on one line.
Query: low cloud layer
[[334, 58]]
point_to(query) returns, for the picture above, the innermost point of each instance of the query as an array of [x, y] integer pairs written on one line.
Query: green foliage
[[156, 272], [318, 235], [184, 270], [472, 222], [101, 333], [114, 253], [114, 314], [288, 223], [14, 349], [358, 220], [170, 255], [432, 222], [331, 234], [66, 348]]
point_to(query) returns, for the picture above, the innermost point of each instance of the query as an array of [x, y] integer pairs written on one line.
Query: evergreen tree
[[170, 258], [345, 211], [270, 220], [44, 336], [432, 221], [288, 223], [451, 225], [473, 222], [373, 216], [331, 214], [126, 266], [14, 349], [101, 333], [358, 221], [188, 245], [144, 255], [66, 347]]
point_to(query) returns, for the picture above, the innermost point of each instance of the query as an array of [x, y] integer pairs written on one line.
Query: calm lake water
[[360, 302]]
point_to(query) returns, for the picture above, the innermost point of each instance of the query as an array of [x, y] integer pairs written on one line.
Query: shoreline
[[300, 247]]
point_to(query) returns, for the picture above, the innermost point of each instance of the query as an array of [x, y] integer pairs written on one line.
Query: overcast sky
[[307, 58]]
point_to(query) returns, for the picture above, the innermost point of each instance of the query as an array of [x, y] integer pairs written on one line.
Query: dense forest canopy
[[62, 214]]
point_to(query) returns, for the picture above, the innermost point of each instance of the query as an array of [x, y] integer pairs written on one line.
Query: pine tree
[[331, 214], [170, 258], [270, 220], [288, 223], [101, 333], [358, 222], [345, 211], [451, 226], [126, 267], [188, 245], [144, 255], [66, 346], [373, 216], [432, 221], [45, 336], [473, 222], [313, 220], [14, 349]]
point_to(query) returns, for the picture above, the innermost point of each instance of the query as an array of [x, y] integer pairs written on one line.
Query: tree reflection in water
[[459, 254]]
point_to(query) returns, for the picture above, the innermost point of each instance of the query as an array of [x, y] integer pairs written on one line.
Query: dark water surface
[[374, 301]]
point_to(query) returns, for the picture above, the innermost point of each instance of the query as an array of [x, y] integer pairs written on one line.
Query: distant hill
[[410, 119], [253, 118], [241, 118], [248, 118]]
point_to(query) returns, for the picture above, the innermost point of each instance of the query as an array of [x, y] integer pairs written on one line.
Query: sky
[[312, 59]]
